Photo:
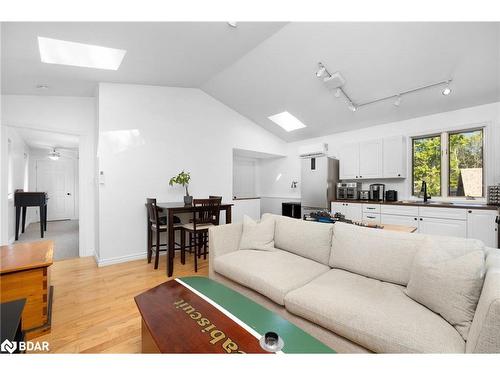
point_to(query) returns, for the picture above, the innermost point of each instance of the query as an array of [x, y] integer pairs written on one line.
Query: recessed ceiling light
[[287, 121], [55, 51], [352, 107], [446, 91], [397, 102], [233, 24]]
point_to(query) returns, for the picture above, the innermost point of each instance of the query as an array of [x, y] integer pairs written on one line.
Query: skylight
[[287, 121], [55, 51]]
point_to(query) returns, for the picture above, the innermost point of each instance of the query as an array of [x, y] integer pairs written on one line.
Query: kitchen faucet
[[423, 190]]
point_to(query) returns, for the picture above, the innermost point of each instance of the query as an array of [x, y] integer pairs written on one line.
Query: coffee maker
[[377, 192]]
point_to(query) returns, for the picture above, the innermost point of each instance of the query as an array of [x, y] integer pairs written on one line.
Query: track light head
[[321, 70], [352, 107], [397, 102], [337, 93], [446, 91]]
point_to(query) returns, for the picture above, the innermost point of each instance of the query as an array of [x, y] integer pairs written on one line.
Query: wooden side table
[[24, 274]]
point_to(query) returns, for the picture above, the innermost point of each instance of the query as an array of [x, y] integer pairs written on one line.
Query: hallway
[[64, 233]]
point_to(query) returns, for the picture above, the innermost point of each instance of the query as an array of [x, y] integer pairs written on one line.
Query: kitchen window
[[451, 163]]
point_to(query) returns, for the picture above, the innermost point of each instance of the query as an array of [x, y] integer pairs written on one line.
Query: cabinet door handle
[[399, 175], [421, 219], [370, 208], [370, 217], [415, 218], [470, 211]]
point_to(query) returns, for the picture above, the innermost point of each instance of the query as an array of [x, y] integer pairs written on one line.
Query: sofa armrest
[[223, 239], [484, 334]]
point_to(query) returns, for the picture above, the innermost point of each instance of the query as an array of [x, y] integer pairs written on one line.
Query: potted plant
[[183, 179]]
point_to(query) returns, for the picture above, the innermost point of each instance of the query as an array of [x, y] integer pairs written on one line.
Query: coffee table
[[199, 315]]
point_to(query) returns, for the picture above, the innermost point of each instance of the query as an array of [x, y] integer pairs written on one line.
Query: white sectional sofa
[[347, 286]]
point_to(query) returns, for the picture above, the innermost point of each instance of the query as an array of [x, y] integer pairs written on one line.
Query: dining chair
[[205, 217], [157, 225]]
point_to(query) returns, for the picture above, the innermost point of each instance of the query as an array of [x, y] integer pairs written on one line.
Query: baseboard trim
[[122, 259], [11, 240]]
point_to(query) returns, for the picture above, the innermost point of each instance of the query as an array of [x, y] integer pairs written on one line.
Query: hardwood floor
[[94, 309]]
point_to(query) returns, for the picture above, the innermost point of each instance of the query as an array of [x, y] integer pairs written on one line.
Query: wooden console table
[[24, 273]]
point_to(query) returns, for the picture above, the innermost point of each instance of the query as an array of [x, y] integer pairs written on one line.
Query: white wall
[[147, 134], [17, 174], [289, 167], [70, 115]]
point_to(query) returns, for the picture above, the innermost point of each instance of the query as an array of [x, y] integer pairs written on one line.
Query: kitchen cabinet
[[378, 158], [371, 218], [370, 159], [351, 211], [409, 221], [442, 227], [482, 225], [349, 162], [394, 157]]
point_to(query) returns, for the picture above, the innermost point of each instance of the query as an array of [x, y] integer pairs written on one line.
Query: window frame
[[445, 167], [483, 183], [433, 135]]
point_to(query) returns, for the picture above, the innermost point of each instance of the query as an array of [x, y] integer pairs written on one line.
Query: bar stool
[[203, 219]]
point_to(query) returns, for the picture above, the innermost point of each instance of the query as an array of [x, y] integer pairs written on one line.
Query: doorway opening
[[42, 161]]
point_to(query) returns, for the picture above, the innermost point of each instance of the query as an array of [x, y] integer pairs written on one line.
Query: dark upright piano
[[23, 199]]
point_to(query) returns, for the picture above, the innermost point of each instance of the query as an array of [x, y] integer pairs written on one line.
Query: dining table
[[169, 210]]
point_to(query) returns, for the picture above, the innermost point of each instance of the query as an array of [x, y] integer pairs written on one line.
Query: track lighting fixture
[[447, 90], [321, 71], [336, 82]]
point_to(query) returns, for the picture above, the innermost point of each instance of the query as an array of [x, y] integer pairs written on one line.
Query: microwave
[[348, 190]]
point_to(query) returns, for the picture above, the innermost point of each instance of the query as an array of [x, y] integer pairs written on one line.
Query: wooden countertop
[[399, 228], [28, 255], [470, 206]]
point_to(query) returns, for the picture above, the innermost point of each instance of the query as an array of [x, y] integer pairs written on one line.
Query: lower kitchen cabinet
[[371, 218], [351, 211], [442, 227], [481, 224], [409, 221]]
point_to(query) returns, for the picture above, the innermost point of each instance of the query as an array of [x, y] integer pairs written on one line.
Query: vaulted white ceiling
[[184, 54], [376, 59], [260, 69]]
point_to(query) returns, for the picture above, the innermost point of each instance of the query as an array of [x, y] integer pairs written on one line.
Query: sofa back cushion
[[386, 255], [308, 239], [257, 235], [448, 282]]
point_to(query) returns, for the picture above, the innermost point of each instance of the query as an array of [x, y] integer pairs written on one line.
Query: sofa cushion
[[271, 273], [380, 254], [308, 239], [449, 283], [374, 314], [257, 235]]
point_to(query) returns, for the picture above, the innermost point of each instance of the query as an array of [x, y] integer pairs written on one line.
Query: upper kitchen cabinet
[[371, 159], [349, 162], [394, 165], [380, 158]]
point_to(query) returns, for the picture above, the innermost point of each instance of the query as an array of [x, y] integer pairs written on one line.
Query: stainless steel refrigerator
[[319, 177]]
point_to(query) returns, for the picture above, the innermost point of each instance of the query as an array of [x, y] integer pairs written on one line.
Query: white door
[[442, 227], [349, 162], [57, 179], [481, 225], [370, 159], [394, 156]]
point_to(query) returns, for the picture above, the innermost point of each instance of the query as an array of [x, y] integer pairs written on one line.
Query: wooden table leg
[[18, 214], [150, 239], [170, 244], [228, 215], [24, 219]]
